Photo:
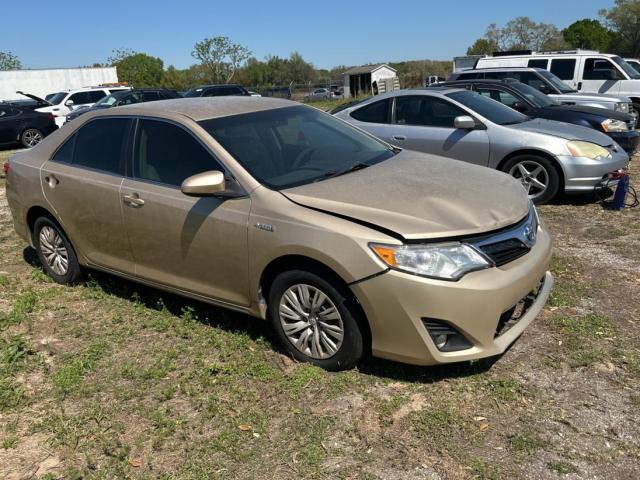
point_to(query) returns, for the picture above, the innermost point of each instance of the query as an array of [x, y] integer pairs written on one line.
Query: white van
[[585, 70]]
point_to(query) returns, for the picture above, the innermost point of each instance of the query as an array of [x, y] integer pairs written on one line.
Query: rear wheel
[[538, 176], [57, 256], [31, 137], [315, 321]]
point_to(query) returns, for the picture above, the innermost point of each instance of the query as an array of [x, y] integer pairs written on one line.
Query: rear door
[[81, 183], [198, 245], [8, 124], [426, 124], [566, 70]]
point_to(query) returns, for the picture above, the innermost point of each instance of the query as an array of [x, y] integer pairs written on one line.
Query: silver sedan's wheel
[[533, 176], [31, 137], [311, 321], [54, 251]]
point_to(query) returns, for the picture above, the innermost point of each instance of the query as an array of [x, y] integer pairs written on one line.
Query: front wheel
[[31, 137], [315, 321], [538, 176]]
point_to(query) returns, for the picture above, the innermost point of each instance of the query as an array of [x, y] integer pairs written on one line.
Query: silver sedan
[[548, 157]]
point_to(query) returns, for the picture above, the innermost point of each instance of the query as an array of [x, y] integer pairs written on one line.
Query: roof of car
[[496, 81], [503, 68], [204, 108]]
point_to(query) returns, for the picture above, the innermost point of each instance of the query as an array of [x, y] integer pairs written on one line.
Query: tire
[[56, 254], [534, 171], [340, 343], [635, 110], [30, 137]]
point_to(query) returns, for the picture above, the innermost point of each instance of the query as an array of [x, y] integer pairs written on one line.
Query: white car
[[60, 104]]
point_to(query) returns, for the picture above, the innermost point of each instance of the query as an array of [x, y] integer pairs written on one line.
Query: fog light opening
[[440, 340], [444, 336]]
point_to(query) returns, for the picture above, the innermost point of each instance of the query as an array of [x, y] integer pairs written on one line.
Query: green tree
[[140, 70], [8, 61], [587, 33], [623, 19], [299, 70], [482, 46], [221, 57], [523, 33]]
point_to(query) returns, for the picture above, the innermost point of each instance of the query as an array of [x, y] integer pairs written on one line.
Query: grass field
[[109, 379]]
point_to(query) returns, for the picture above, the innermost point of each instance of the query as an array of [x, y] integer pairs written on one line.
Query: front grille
[[512, 316], [505, 251]]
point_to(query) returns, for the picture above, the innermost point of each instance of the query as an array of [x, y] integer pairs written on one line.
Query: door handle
[[133, 200], [399, 137], [51, 180], [579, 85]]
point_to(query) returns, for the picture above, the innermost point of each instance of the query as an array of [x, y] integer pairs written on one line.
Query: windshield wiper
[[337, 173]]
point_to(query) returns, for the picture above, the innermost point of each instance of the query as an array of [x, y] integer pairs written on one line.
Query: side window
[[377, 112], [499, 96], [96, 95], [528, 78], [81, 98], [597, 69], [563, 68], [426, 111], [538, 63], [469, 76], [166, 153], [150, 96], [64, 154], [8, 112], [99, 144], [212, 92], [498, 75]]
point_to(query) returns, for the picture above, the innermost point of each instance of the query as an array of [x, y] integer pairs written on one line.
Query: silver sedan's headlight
[[611, 125], [579, 148], [444, 261]]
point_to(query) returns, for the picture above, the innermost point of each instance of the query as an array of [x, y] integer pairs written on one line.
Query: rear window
[[538, 63], [563, 68], [99, 144]]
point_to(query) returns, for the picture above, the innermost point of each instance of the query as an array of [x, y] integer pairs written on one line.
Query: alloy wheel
[[311, 321], [54, 250], [533, 176], [31, 137]]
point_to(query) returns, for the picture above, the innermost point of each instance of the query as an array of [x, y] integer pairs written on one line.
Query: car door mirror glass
[[519, 106], [464, 122], [204, 184], [69, 103]]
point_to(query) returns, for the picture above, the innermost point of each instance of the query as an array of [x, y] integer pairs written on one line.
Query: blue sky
[[72, 33]]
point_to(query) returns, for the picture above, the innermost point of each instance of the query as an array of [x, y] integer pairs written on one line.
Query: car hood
[[595, 111], [564, 130], [419, 196]]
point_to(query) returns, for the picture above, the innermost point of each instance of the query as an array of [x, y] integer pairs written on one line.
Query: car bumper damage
[[480, 315], [583, 174]]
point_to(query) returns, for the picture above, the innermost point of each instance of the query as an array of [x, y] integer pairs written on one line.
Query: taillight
[[51, 117], [5, 168]]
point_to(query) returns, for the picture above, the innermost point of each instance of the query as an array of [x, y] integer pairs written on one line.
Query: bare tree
[[221, 57], [8, 61]]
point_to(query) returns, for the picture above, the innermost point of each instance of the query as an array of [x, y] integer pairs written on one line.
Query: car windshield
[[57, 98], [635, 64], [536, 97], [556, 82], [287, 147], [628, 69], [109, 100], [492, 110]]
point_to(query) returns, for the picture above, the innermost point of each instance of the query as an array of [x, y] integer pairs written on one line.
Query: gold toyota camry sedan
[[346, 244]]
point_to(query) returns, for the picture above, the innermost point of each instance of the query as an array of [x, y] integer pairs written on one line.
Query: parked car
[[547, 157], [320, 94], [621, 127], [584, 70], [127, 97], [551, 85], [634, 62], [24, 126], [278, 210], [218, 91], [62, 103]]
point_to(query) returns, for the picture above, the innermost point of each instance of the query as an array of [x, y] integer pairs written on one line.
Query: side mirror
[[519, 106], [204, 184], [464, 122], [69, 103], [544, 88]]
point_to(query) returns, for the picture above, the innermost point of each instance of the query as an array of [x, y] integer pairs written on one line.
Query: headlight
[[590, 150], [611, 125], [622, 107], [445, 261]]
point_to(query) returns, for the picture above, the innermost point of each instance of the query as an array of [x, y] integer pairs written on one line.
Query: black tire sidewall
[[352, 349], [22, 142], [554, 186], [74, 272]]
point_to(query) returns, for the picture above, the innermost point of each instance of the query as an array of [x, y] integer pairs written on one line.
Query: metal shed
[[360, 80]]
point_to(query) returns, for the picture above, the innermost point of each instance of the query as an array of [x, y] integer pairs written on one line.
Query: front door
[[597, 76], [426, 124], [198, 245], [82, 185]]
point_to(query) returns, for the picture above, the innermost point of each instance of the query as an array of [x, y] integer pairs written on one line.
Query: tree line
[[616, 31]]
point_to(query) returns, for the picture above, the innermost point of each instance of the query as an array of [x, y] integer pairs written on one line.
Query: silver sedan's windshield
[[291, 146]]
